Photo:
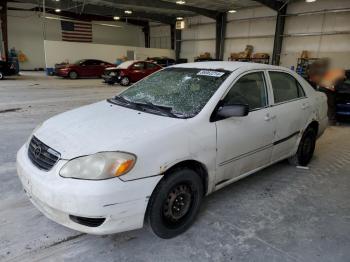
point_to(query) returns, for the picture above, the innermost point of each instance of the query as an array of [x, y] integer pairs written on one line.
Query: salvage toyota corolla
[[152, 152]]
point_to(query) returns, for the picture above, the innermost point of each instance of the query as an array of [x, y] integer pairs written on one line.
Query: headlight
[[99, 166]]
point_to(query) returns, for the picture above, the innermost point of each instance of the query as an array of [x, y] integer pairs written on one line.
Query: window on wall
[[250, 89], [285, 87]]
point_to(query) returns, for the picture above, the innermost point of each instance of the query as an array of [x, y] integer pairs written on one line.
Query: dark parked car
[[129, 72], [83, 68], [6, 69], [162, 61], [342, 98]]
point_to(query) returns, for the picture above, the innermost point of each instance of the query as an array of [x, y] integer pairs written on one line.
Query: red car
[[129, 72], [83, 68]]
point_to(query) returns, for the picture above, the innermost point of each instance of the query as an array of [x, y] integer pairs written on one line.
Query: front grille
[[88, 221], [42, 155]]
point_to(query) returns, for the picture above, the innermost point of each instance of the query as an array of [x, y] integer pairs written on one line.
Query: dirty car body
[[192, 129]]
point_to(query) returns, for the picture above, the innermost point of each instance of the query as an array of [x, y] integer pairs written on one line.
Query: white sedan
[[152, 152]]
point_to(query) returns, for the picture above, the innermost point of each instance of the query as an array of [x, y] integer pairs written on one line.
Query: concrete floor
[[279, 214]]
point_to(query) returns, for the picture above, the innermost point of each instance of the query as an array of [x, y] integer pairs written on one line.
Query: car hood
[[101, 127]]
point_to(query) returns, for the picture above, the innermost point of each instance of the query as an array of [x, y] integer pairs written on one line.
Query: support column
[[279, 31], [221, 21], [177, 44], [4, 35], [146, 31], [172, 36]]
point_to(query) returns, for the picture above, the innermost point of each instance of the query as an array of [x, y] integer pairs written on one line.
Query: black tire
[[175, 203], [1, 75], [125, 81], [306, 148], [73, 75]]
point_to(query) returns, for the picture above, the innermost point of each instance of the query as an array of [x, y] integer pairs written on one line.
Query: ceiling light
[[56, 0], [310, 1], [129, 12], [179, 18], [180, 2], [116, 17], [57, 10], [232, 11]]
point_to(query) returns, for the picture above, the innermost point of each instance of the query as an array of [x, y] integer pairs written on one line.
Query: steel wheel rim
[[125, 81], [178, 203], [73, 75]]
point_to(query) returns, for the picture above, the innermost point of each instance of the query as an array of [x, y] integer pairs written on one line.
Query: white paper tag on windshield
[[210, 73]]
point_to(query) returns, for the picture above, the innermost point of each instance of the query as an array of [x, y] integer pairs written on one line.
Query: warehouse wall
[[256, 26], [336, 47], [250, 26], [58, 51], [198, 37], [199, 34], [26, 34], [160, 36]]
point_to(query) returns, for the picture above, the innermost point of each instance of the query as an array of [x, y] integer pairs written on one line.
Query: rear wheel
[[125, 81], [73, 75], [306, 148], [1, 75], [175, 203]]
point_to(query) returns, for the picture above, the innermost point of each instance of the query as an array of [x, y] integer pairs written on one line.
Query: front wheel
[[73, 75], [125, 81], [175, 203], [1, 75], [306, 148]]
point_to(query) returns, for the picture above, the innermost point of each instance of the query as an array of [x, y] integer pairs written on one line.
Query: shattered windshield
[[184, 91]]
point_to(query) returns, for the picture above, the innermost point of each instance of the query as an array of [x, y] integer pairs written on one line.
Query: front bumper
[[122, 204], [62, 73], [111, 79]]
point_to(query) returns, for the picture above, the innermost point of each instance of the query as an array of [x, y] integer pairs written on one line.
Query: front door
[[245, 143], [138, 71]]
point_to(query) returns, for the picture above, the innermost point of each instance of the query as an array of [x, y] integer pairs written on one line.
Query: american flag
[[76, 32]]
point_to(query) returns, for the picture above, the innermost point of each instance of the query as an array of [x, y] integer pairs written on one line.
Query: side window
[[250, 89], [151, 66], [285, 87], [88, 62], [138, 66]]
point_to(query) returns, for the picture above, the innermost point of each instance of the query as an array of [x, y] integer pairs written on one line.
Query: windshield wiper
[[162, 109], [122, 99]]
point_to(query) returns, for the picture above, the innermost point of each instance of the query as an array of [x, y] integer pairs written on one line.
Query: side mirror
[[238, 110]]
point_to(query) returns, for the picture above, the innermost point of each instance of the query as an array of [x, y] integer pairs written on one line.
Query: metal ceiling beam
[[166, 5], [105, 11], [110, 11], [273, 4]]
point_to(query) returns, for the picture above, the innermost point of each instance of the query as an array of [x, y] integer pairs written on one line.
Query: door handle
[[305, 105], [268, 117]]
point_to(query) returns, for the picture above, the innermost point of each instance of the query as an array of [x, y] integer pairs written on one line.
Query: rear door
[[87, 68], [290, 112]]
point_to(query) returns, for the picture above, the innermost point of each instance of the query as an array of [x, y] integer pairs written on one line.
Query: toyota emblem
[[37, 152]]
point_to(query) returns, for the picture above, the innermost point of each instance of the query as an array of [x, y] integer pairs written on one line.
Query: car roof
[[227, 65]]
